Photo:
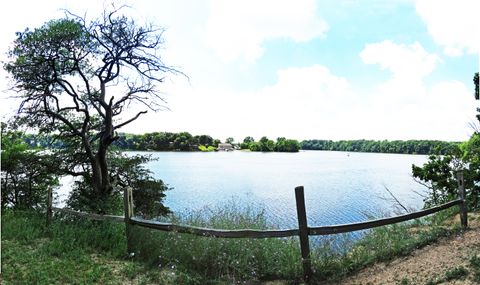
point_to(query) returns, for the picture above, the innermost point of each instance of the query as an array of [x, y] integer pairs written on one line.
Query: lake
[[340, 187]]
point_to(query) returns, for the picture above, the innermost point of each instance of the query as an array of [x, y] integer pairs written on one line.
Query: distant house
[[224, 147]]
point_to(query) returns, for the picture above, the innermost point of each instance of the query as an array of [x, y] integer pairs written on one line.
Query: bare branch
[[129, 121], [395, 199]]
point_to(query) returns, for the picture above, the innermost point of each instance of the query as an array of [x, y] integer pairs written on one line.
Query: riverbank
[[79, 251]]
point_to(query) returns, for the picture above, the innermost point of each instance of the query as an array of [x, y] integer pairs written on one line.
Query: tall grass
[[205, 258], [333, 257]]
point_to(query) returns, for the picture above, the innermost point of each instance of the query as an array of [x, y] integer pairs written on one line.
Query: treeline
[[397, 146], [166, 141], [156, 141], [264, 144], [184, 141]]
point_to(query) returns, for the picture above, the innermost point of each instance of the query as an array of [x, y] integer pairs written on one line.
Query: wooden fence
[[303, 230]]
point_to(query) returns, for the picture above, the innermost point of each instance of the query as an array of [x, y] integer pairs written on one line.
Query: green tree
[[286, 145], [439, 173], [64, 72], [26, 173], [266, 144], [183, 141], [128, 171], [246, 142], [205, 140]]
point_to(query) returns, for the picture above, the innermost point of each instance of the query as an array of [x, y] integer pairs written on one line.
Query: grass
[[77, 251], [69, 251], [203, 258], [379, 244], [61, 254], [454, 273], [475, 265]]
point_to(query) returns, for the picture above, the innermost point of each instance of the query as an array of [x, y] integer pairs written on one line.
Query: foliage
[[26, 173], [129, 171], [407, 147], [148, 192], [286, 145], [206, 148], [64, 71], [266, 145], [439, 174], [164, 141]]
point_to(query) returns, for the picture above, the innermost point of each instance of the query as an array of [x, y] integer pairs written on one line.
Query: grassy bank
[[73, 251]]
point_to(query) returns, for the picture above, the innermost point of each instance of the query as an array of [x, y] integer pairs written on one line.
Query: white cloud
[[409, 65], [238, 28], [308, 98], [312, 102], [441, 111], [453, 24], [404, 106], [404, 61], [306, 102]]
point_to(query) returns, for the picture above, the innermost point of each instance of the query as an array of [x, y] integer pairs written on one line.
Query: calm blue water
[[340, 187]]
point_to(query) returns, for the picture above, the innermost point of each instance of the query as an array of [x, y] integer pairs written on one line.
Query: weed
[[475, 265], [456, 273], [404, 281]]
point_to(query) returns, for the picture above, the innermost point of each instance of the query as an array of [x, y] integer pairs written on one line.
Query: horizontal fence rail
[[242, 233], [112, 218], [337, 229], [250, 233]]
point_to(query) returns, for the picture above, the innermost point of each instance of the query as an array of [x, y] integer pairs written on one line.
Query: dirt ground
[[428, 265]]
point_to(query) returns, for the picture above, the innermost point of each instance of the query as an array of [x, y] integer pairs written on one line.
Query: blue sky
[[301, 69]]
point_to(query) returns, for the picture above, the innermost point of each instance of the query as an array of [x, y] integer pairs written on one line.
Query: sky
[[303, 69]]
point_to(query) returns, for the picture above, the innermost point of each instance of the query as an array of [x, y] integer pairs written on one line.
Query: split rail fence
[[303, 230]]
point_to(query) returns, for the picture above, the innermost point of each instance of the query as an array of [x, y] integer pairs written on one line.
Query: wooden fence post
[[461, 194], [49, 206], [303, 233], [128, 209]]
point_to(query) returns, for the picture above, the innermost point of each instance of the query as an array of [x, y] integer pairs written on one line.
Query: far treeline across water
[[384, 146], [184, 141]]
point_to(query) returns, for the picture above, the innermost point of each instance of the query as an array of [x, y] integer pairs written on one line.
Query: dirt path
[[445, 262]]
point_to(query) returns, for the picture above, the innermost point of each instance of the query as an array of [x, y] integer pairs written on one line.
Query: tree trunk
[[103, 183]]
